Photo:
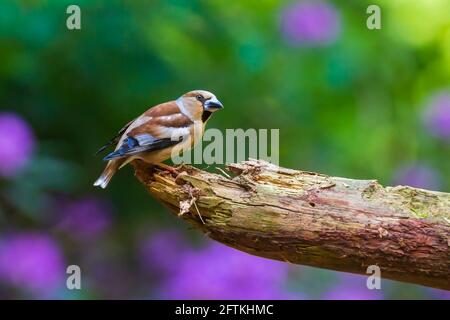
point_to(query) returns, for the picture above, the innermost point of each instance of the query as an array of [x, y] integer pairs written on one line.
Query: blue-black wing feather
[[147, 143], [115, 139]]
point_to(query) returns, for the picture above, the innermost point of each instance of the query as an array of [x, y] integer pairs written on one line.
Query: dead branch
[[314, 219]]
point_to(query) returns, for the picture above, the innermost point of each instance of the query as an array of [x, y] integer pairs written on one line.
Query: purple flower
[[219, 272], [85, 219], [352, 287], [437, 115], [419, 176], [108, 273], [16, 143], [439, 294], [310, 23], [31, 261], [160, 252], [345, 292]]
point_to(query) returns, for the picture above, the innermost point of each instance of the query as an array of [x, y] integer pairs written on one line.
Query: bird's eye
[[199, 97]]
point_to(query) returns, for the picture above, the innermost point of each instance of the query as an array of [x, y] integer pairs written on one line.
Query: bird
[[165, 129]]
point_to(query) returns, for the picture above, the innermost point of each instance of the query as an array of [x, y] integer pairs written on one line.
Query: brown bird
[[160, 131]]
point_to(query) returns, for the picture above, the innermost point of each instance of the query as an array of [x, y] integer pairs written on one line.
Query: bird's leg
[[166, 167]]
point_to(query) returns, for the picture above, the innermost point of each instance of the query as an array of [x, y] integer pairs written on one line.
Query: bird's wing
[[132, 146], [163, 126], [116, 138]]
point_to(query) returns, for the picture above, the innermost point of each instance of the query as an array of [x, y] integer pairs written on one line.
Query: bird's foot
[[173, 170]]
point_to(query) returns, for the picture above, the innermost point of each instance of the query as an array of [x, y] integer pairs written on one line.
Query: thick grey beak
[[212, 105]]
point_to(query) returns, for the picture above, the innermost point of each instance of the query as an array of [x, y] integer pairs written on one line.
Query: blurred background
[[349, 101]]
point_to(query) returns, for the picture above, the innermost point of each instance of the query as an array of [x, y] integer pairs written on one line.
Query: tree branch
[[313, 219]]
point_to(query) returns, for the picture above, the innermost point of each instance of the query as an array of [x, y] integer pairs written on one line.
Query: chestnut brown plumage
[[154, 136]]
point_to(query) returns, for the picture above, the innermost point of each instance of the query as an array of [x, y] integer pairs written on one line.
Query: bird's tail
[[108, 173]]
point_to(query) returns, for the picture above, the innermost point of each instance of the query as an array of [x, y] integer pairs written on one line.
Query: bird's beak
[[212, 105]]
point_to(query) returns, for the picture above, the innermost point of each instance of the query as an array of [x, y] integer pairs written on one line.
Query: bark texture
[[314, 219]]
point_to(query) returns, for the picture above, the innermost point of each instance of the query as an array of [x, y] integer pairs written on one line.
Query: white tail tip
[[101, 182]]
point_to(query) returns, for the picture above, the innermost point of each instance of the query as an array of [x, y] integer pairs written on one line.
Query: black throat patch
[[206, 115]]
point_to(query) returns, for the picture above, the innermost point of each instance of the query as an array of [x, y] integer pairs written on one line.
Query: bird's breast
[[198, 129]]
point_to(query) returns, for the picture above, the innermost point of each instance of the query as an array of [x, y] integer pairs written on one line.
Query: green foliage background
[[353, 108]]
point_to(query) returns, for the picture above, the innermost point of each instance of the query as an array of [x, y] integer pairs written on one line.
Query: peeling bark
[[314, 219]]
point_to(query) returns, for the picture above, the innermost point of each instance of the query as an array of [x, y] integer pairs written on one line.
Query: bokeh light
[[32, 261], [84, 219], [219, 272], [16, 143], [437, 115], [419, 176], [310, 23]]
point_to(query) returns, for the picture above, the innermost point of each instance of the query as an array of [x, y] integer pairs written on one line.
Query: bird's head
[[199, 104]]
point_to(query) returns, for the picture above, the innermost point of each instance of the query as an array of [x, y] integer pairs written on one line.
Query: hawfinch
[[154, 135]]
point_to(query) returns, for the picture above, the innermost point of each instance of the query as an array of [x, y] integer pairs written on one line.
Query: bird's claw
[[172, 170]]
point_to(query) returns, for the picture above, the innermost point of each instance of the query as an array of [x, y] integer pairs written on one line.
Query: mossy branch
[[314, 219]]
